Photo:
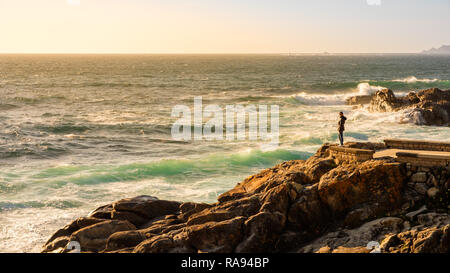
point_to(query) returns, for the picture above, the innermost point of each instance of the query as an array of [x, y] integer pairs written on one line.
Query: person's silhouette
[[341, 127]]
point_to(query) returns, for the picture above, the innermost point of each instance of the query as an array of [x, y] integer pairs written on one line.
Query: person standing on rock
[[341, 127]]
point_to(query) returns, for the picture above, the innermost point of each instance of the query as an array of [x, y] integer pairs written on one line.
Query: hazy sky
[[222, 26]]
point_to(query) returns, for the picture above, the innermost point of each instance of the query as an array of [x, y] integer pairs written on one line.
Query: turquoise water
[[79, 131]]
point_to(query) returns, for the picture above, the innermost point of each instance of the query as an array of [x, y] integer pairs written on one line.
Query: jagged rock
[[430, 240], [309, 206], [433, 219], [428, 107], [373, 231], [384, 101]]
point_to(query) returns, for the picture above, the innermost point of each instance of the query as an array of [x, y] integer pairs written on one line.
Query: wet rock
[[384, 101], [427, 107]]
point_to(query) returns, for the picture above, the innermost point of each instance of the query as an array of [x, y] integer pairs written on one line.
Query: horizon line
[[206, 53]]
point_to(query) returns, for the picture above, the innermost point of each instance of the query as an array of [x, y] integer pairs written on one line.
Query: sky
[[223, 26]]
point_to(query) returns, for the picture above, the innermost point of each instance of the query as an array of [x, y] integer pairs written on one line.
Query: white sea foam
[[363, 89], [318, 99], [413, 79], [406, 116]]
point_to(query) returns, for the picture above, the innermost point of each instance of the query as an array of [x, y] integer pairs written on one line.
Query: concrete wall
[[423, 160], [343, 154], [417, 145]]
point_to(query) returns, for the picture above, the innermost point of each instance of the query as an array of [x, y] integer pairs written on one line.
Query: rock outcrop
[[317, 205], [427, 107], [358, 100]]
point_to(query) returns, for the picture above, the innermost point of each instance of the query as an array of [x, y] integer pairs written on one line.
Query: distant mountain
[[445, 49]]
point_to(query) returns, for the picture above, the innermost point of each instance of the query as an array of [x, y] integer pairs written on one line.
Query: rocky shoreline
[[426, 107], [321, 205]]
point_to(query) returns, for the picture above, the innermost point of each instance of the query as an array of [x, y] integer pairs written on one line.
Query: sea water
[[80, 131]]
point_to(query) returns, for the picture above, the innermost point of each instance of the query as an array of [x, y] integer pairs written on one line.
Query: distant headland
[[445, 49]]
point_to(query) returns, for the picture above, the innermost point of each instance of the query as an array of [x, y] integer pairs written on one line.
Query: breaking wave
[[363, 89], [413, 79]]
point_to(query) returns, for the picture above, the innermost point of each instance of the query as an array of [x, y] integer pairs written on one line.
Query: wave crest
[[363, 89], [413, 79]]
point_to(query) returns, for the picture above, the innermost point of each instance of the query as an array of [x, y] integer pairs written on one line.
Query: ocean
[[80, 131]]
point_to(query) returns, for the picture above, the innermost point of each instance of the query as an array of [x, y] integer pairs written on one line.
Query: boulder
[[291, 171], [221, 237], [59, 236], [348, 186], [94, 237], [124, 240], [147, 206], [309, 212]]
